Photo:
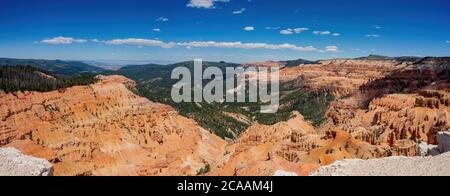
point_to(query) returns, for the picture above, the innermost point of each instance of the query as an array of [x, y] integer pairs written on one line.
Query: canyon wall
[[105, 129], [383, 108]]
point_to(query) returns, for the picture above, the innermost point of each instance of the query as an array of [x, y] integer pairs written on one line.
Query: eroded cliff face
[[399, 121], [398, 111], [105, 129], [339, 77], [383, 108], [293, 146], [262, 149], [393, 104]]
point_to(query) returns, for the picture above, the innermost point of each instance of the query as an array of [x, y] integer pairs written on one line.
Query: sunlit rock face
[[105, 129], [383, 108]]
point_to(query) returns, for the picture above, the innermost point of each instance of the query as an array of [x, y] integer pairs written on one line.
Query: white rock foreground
[[398, 166], [284, 173], [392, 166], [14, 163]]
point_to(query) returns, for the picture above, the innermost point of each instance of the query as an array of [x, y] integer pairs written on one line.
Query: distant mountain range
[[378, 57], [297, 62], [68, 68], [76, 67]]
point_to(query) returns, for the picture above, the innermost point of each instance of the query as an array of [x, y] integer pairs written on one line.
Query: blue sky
[[229, 30]]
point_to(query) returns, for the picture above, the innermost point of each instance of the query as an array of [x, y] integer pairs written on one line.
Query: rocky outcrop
[[265, 64], [105, 129], [408, 105], [14, 163], [293, 146], [284, 173], [384, 107], [339, 77], [262, 149], [428, 150], [400, 121], [443, 139], [392, 166]]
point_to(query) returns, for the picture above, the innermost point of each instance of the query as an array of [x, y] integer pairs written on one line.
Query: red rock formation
[[389, 108], [340, 77], [105, 129], [400, 110], [262, 150], [293, 146], [383, 108]]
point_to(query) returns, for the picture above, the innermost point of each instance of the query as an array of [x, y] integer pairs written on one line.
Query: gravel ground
[[14, 163], [392, 166]]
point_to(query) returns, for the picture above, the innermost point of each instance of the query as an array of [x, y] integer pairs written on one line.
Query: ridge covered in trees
[[66, 68], [155, 83], [28, 78]]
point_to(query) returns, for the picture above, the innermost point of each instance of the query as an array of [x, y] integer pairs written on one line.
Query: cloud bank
[[162, 19], [205, 4], [293, 31], [373, 35], [332, 49], [241, 11], [215, 44], [139, 42], [249, 28], [63, 40], [322, 32]]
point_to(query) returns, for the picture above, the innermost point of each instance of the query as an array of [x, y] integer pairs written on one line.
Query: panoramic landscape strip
[[225, 95]]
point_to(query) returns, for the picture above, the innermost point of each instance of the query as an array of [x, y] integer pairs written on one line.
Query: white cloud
[[336, 34], [272, 28], [162, 19], [300, 30], [241, 11], [377, 27], [63, 40], [206, 4], [248, 46], [322, 32], [95, 40], [249, 28], [332, 49], [208, 44], [156, 30], [287, 32], [292, 31], [140, 42], [373, 35]]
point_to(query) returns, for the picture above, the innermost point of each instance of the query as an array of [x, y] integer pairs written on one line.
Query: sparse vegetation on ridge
[[28, 78], [155, 84]]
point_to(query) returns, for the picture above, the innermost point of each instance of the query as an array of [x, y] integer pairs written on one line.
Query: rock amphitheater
[[384, 108]]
